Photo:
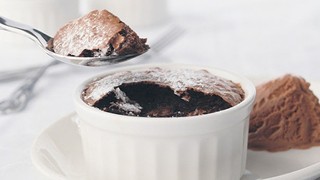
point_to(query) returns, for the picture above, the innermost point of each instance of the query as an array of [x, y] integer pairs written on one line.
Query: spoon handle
[[21, 96], [25, 30]]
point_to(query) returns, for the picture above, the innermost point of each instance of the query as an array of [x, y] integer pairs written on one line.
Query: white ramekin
[[205, 147]]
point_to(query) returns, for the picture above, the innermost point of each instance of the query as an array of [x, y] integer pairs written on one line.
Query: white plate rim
[[307, 173]]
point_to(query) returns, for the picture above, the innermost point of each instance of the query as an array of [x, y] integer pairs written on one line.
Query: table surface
[[255, 38]]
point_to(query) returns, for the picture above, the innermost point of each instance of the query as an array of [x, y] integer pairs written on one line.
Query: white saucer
[[58, 154]]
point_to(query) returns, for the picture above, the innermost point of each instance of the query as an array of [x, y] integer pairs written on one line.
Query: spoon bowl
[[43, 40]]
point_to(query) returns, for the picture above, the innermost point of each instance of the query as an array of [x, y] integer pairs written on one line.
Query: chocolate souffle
[[99, 33], [158, 92]]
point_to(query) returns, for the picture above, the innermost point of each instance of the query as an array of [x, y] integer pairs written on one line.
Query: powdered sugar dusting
[[179, 80], [91, 32], [125, 103]]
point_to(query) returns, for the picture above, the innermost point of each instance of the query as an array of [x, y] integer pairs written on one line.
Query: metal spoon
[[43, 39], [18, 100]]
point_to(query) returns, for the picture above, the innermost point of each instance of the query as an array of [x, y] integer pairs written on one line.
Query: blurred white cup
[[135, 13], [45, 15]]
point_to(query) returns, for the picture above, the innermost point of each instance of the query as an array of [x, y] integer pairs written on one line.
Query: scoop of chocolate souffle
[[99, 33], [160, 92]]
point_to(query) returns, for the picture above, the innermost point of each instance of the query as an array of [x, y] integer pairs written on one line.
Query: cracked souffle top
[[98, 33], [158, 92]]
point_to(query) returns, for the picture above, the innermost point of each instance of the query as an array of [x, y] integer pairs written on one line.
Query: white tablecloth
[[255, 38]]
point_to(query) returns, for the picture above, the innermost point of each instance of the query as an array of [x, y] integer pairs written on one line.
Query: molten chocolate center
[[148, 99]]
